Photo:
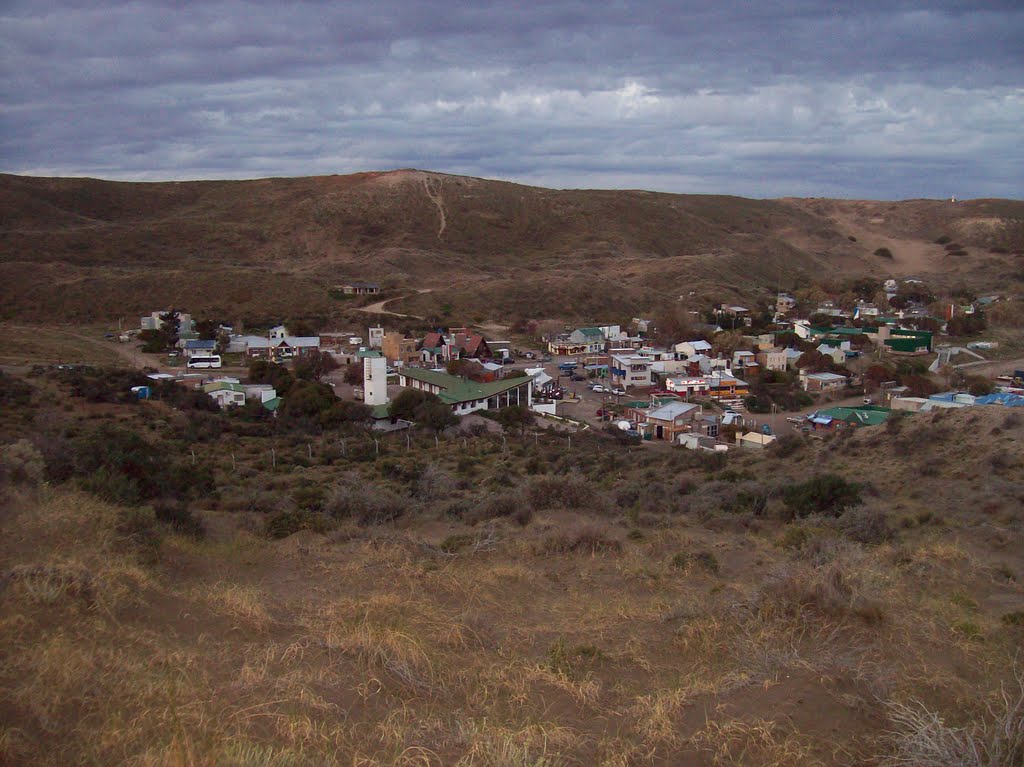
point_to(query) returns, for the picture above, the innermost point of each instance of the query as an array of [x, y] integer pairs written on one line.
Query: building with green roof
[[837, 418], [467, 396]]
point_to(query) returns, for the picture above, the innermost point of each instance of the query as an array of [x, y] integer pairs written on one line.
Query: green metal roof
[[902, 344], [272, 404], [592, 332], [844, 331], [368, 353], [221, 386], [381, 411], [456, 390], [869, 415]]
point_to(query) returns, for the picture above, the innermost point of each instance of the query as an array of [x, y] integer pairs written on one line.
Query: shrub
[[919, 736], [456, 542], [867, 526], [284, 523], [943, 239], [21, 464], [824, 494], [707, 562], [786, 445], [138, 531], [586, 538], [883, 253], [366, 504], [180, 518], [820, 589], [14, 392], [568, 491]]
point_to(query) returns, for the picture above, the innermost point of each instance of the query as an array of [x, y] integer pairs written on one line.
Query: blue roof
[[1008, 399], [204, 345]]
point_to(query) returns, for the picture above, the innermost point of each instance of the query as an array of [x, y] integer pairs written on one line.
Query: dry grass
[[376, 646], [922, 738], [762, 742]]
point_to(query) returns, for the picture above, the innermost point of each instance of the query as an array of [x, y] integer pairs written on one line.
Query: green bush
[[21, 464], [285, 523], [883, 253], [827, 494]]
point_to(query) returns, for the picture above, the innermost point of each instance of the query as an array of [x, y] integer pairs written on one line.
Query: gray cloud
[[798, 98]]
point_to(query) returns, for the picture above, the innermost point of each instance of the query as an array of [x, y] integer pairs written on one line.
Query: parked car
[[868, 401], [545, 358], [598, 389], [619, 391], [577, 377], [357, 393]]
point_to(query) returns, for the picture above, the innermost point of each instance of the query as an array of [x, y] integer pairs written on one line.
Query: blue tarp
[[1001, 398]]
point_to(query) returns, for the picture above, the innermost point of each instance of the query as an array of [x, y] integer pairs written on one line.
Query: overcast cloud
[[867, 99]]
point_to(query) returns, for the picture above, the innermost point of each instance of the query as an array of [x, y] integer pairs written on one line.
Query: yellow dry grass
[[372, 649]]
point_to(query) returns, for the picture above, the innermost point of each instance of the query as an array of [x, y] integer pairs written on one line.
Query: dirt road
[[378, 308]]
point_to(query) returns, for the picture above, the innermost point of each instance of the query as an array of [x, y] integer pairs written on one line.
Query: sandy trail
[[378, 308], [435, 197]]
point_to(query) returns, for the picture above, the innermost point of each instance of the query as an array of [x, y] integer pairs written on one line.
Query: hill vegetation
[[84, 249], [502, 598]]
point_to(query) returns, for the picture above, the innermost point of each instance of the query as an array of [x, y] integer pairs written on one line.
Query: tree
[[462, 368], [314, 365], [307, 400], [223, 341], [673, 326], [353, 374], [207, 330], [515, 417], [422, 408], [267, 372], [170, 327], [346, 411], [404, 405], [727, 342], [435, 415], [300, 328]]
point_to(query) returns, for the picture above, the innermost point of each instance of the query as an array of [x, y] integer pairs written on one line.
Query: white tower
[[375, 381]]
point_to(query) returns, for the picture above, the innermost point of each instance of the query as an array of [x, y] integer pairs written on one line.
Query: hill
[[513, 599], [86, 249]]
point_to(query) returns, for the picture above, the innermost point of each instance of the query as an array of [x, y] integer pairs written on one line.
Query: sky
[[880, 100]]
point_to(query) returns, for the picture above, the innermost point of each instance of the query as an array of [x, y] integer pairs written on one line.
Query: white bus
[[205, 361]]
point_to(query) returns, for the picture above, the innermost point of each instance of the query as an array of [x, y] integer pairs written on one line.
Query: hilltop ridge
[[79, 248]]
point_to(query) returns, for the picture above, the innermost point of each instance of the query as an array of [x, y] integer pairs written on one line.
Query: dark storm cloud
[[868, 99]]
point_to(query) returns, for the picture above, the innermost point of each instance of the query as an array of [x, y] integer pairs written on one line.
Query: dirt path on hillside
[[435, 197], [378, 308]]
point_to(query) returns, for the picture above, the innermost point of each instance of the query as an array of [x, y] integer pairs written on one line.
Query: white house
[[837, 353], [755, 440], [376, 337], [823, 382], [630, 370], [226, 394], [690, 387], [690, 348]]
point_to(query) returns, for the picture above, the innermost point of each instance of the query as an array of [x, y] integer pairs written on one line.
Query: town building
[[467, 396], [630, 370]]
